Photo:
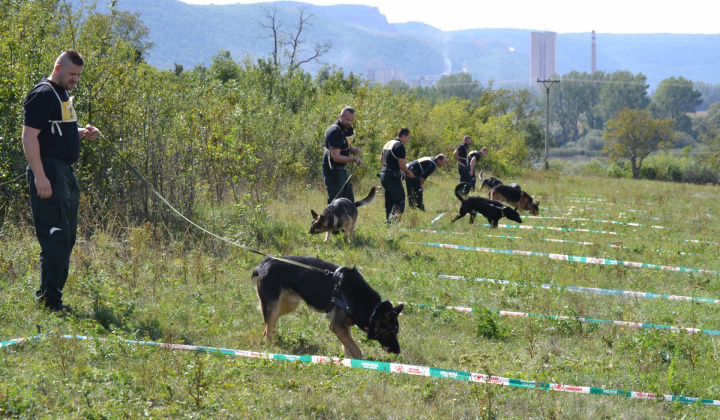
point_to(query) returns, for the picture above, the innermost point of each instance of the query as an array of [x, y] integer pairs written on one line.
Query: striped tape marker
[[560, 229], [432, 372], [580, 219], [549, 240], [572, 318], [579, 289], [571, 258]]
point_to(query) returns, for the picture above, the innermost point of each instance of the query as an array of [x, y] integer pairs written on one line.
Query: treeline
[[583, 103], [234, 129]]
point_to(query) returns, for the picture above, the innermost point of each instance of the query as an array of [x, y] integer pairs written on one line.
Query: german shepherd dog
[[492, 210], [515, 197], [340, 292], [489, 182], [341, 213]]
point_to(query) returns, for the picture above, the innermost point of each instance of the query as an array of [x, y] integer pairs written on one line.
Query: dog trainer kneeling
[[422, 168], [393, 166], [337, 154]]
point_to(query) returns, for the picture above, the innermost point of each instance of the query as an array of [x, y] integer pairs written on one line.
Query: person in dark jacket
[[51, 142], [391, 174], [422, 168], [338, 148]]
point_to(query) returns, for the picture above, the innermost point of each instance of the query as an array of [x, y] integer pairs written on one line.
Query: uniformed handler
[[473, 158], [463, 163], [421, 168], [337, 154], [51, 141], [391, 174]]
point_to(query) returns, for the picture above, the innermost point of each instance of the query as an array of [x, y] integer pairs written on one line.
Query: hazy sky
[[607, 16]]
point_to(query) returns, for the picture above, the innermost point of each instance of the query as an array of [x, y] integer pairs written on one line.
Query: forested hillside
[[192, 34]]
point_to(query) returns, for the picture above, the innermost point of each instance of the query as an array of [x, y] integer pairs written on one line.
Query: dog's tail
[[367, 200], [461, 191], [480, 174]]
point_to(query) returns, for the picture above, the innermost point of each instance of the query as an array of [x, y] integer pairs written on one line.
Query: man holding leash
[[338, 139], [391, 174], [51, 141], [421, 168]]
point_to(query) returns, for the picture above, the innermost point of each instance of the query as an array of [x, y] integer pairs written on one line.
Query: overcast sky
[[607, 16]]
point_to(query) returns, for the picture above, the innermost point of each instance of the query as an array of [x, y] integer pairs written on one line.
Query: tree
[[573, 104], [709, 133], [619, 90], [459, 85], [674, 98], [288, 44], [710, 95], [634, 134]]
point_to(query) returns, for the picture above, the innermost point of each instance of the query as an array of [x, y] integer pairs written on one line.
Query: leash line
[[570, 258], [416, 370], [176, 211], [2, 184]]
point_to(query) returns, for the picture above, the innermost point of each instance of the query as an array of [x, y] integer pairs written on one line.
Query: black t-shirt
[[392, 151], [423, 167], [463, 153], [474, 154], [48, 108], [337, 138]]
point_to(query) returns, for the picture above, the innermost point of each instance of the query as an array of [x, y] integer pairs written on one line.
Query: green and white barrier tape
[[628, 324], [571, 258], [416, 370]]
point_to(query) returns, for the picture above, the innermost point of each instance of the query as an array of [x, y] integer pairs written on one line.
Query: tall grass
[[154, 283]]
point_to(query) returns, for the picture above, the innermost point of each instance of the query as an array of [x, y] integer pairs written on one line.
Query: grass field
[[143, 283]]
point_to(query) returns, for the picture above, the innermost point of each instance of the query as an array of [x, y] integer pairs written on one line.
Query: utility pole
[[548, 84]]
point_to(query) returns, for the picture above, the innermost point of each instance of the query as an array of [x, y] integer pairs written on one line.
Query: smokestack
[[593, 67]]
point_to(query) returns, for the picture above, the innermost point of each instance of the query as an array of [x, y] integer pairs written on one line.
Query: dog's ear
[[399, 308], [314, 215]]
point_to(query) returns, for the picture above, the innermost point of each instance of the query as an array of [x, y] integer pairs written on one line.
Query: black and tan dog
[[489, 182], [341, 213], [515, 197], [492, 210], [340, 292]]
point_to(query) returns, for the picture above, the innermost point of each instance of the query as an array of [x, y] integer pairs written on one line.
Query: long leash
[[164, 200], [12, 180]]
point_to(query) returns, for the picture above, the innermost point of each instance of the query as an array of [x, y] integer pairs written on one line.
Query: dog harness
[[338, 298], [67, 110]]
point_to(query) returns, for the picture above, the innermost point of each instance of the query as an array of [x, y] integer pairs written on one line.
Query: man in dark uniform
[[463, 163], [421, 168], [337, 154], [393, 166], [473, 159], [51, 141]]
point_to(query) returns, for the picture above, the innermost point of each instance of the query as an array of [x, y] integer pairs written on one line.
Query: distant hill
[[191, 34]]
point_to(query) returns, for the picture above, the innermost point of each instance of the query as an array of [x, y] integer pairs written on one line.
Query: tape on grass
[[571, 258], [549, 240], [573, 318], [580, 289], [580, 219], [432, 372]]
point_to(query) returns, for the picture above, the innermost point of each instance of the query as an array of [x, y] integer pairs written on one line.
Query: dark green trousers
[[55, 222], [334, 180], [394, 194]]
